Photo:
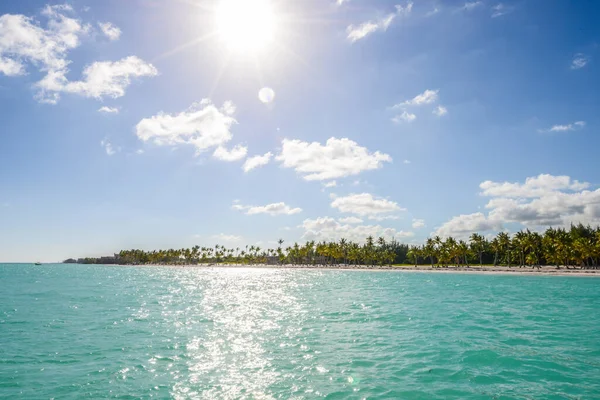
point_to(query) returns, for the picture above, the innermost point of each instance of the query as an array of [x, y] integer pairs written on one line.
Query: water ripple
[[97, 332]]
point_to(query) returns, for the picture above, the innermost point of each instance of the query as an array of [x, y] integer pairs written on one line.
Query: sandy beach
[[544, 270]]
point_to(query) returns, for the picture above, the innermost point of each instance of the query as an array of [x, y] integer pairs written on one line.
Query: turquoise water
[[71, 332]]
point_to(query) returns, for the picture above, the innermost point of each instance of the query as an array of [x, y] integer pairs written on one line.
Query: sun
[[246, 26]]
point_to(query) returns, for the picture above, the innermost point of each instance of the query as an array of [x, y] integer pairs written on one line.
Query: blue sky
[[139, 124]]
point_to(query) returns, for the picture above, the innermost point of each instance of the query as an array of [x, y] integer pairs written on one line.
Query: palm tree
[[463, 251], [413, 254], [519, 242], [438, 247], [344, 249], [478, 244], [504, 242], [429, 250], [495, 247]]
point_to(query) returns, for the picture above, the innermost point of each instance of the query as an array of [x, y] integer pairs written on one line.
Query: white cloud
[[340, 2], [406, 161], [404, 10], [330, 184], [472, 5], [227, 238], [556, 208], [541, 201], [101, 79], [432, 12], [336, 159], [235, 154], [203, 125], [108, 110], [350, 220], [463, 226], [579, 61], [326, 228], [110, 31], [257, 161], [418, 223], [565, 128], [356, 33], [440, 111], [11, 67], [108, 147], [404, 117], [538, 186], [55, 10], [271, 209], [429, 96], [500, 9], [361, 31], [364, 204], [384, 217], [24, 40]]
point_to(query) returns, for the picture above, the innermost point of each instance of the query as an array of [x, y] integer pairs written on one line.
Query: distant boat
[[37, 263]]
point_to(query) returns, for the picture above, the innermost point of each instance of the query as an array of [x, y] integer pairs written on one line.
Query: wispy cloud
[[404, 117], [500, 9], [565, 128], [418, 223], [579, 61], [440, 111], [108, 147], [427, 97], [257, 161], [108, 110], [358, 32], [471, 5], [227, 238], [406, 161], [109, 30], [350, 220], [432, 12], [270, 209]]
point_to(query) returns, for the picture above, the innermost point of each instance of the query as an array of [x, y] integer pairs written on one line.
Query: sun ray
[[184, 46], [220, 74]]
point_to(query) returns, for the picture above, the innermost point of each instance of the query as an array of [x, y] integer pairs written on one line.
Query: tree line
[[577, 246]]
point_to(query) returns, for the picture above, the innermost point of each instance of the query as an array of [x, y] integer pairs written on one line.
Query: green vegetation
[[373, 252], [578, 246]]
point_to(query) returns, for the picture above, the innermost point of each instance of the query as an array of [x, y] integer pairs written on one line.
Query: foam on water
[[95, 332]]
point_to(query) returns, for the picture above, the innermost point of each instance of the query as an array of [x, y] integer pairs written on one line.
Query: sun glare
[[246, 25]]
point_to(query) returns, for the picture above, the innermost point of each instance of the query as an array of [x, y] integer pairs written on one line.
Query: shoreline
[[499, 270]]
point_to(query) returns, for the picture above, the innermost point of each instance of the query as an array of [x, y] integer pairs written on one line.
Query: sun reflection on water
[[239, 310]]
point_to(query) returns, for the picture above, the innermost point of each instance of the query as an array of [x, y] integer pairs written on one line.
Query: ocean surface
[[73, 332]]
